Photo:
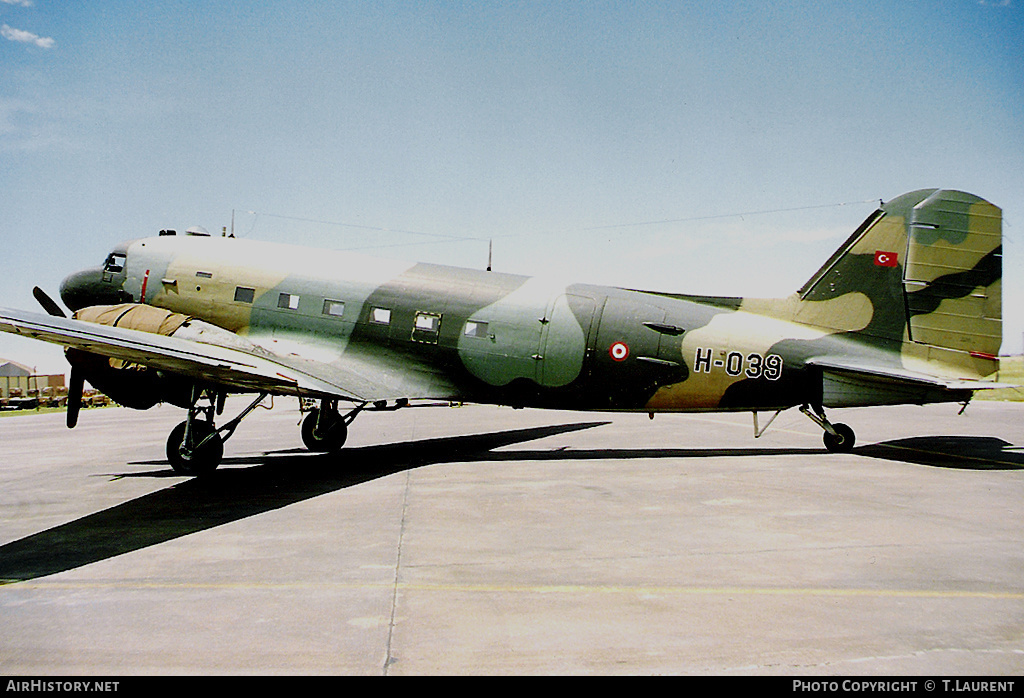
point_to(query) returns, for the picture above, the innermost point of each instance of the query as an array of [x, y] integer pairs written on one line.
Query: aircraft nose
[[88, 287]]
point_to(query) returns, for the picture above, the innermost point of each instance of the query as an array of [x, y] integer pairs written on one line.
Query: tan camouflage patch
[[850, 312]]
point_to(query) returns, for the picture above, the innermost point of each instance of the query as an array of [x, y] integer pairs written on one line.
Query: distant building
[[17, 380], [12, 369]]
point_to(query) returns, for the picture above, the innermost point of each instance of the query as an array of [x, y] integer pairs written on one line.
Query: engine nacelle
[[131, 384]]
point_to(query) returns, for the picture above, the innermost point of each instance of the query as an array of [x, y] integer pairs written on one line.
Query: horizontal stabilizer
[[852, 383]]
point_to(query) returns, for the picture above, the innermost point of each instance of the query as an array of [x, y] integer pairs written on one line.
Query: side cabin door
[[530, 335], [565, 340], [501, 343]]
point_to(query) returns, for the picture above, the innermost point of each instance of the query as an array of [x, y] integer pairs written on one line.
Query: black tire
[[334, 438], [201, 461], [842, 441]]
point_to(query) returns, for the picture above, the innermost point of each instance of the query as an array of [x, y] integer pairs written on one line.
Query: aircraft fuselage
[[461, 334]]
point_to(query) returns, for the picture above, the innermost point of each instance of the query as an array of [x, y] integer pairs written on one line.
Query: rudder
[[953, 274]]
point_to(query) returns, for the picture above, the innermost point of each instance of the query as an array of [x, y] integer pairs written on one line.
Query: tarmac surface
[[485, 540]]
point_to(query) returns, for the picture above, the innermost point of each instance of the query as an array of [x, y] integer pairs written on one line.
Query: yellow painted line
[[540, 589], [710, 591]]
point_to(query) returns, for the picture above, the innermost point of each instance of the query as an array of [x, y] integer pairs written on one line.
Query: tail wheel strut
[[838, 438]]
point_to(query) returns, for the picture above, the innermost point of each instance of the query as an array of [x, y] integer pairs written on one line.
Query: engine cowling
[[131, 384]]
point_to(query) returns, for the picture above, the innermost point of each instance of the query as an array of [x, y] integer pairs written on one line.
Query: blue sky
[[609, 142]]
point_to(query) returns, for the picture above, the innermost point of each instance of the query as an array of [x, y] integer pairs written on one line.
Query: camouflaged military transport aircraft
[[908, 310]]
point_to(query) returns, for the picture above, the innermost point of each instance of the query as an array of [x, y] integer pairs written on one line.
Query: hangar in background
[[19, 383]]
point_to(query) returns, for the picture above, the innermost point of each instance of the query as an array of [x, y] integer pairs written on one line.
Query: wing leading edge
[[233, 368]]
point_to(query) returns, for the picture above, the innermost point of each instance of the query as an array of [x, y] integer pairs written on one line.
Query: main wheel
[[331, 438], [840, 442], [199, 461]]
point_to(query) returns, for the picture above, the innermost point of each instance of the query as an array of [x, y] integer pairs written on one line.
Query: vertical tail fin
[[925, 270]]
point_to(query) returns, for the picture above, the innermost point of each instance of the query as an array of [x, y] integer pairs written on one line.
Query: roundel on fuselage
[[619, 351]]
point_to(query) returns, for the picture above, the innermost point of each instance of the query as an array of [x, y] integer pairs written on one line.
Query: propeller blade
[[77, 383], [49, 305]]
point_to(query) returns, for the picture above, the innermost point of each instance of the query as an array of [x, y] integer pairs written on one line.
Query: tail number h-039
[[735, 364]]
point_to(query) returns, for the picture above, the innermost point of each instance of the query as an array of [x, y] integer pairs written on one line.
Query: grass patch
[[1011, 370]]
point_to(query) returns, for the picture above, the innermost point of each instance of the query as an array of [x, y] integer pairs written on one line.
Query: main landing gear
[[324, 429], [838, 438], [196, 446]]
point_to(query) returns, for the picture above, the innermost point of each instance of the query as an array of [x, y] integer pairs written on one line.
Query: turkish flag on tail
[[885, 259]]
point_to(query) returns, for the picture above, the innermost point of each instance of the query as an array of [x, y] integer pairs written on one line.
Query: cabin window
[[428, 322], [426, 327], [381, 316], [334, 308], [288, 301], [244, 295], [475, 328]]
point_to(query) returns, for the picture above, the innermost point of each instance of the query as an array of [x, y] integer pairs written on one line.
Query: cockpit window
[[115, 262]]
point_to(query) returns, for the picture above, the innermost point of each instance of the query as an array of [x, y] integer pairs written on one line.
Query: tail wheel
[[195, 461], [331, 434], [840, 442]]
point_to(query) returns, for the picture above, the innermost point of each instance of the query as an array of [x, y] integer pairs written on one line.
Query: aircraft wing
[[233, 368]]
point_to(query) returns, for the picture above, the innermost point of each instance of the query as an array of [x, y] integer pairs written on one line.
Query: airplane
[[907, 310]]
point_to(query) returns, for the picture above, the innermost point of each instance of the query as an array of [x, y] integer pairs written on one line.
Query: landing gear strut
[[324, 429], [838, 438], [196, 446]]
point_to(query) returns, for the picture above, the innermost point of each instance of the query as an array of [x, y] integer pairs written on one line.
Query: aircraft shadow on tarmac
[[279, 479], [958, 452], [232, 494]]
